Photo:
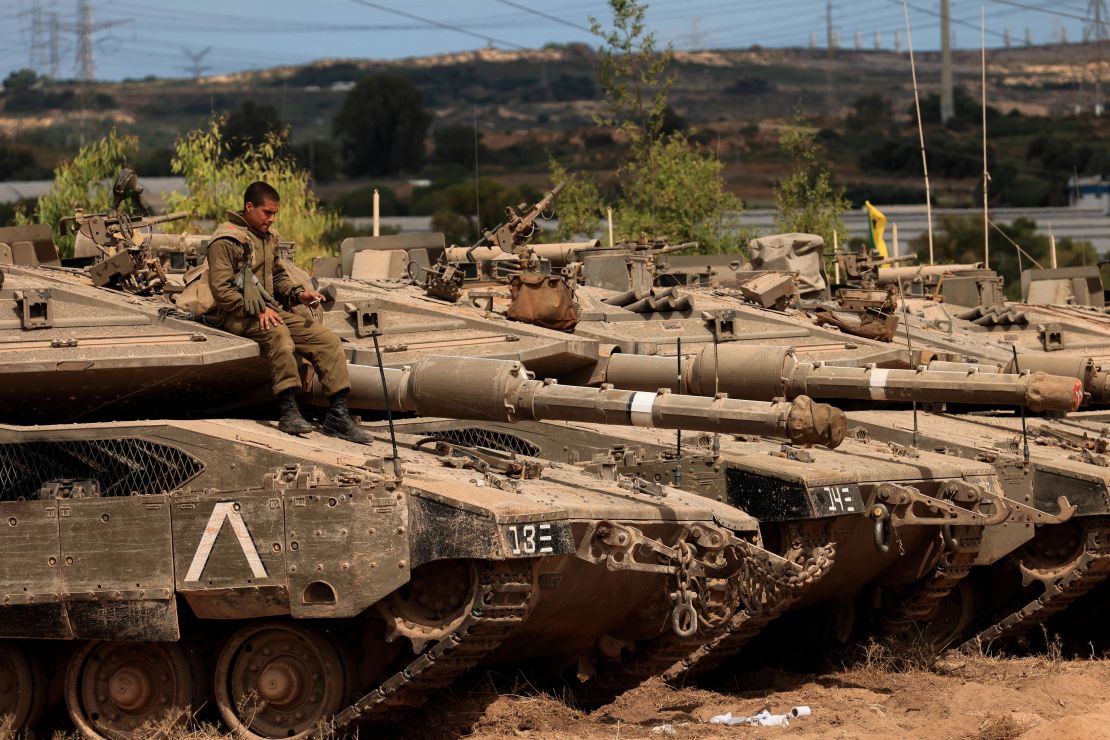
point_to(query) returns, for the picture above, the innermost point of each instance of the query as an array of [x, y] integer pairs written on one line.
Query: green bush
[[216, 184]]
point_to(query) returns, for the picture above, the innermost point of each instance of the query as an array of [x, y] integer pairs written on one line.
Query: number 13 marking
[[529, 539]]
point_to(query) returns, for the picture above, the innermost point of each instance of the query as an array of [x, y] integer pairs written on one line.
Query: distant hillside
[[530, 104]]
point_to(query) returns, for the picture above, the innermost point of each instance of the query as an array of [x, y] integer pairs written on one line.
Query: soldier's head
[[260, 206]]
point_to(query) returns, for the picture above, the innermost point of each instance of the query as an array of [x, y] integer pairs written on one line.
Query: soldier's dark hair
[[259, 192]]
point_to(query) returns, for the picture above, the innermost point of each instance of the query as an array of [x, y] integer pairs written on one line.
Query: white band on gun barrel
[[878, 384], [639, 410]]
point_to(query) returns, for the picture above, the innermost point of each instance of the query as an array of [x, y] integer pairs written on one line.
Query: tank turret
[[768, 372]]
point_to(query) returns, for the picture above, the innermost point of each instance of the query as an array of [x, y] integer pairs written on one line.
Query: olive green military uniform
[[297, 335]]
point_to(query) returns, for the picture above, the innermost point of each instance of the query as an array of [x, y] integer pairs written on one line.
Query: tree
[[678, 193], [216, 182], [578, 205], [456, 145], [249, 125], [20, 79], [633, 74], [382, 125], [669, 187], [806, 199], [85, 182]]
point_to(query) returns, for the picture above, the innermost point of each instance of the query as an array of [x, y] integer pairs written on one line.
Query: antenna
[[920, 132], [909, 349], [716, 378], [678, 432], [398, 471], [477, 195], [986, 174], [1024, 431]]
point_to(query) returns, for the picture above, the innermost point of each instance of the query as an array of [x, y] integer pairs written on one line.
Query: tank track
[[676, 658], [652, 658], [1091, 568], [954, 565], [504, 602], [745, 625]]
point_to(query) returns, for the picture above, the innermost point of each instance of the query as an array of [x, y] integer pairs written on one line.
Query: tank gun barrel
[[764, 373], [501, 390], [1095, 380]]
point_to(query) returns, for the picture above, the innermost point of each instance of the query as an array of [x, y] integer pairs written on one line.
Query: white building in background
[[1089, 194]]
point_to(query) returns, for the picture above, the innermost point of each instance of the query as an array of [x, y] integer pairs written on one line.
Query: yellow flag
[[878, 227]]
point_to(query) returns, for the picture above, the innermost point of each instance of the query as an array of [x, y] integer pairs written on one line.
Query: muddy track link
[[503, 603], [651, 659], [744, 625], [1089, 569], [676, 659], [922, 597]]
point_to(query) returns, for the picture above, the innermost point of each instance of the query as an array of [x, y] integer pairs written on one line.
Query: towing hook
[[883, 534], [684, 618]]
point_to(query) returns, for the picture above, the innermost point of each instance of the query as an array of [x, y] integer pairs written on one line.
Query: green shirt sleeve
[[222, 256]]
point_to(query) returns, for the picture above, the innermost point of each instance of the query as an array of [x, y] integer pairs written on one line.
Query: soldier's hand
[[311, 297], [269, 318]]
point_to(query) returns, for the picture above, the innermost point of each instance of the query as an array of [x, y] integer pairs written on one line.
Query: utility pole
[[55, 55], [36, 52], [86, 30], [898, 41], [830, 42], [947, 101], [878, 43], [1095, 30], [86, 67], [1028, 37], [195, 69], [858, 43], [1009, 41]]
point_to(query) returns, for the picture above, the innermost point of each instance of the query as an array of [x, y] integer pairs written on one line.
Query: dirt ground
[[961, 697], [964, 697]]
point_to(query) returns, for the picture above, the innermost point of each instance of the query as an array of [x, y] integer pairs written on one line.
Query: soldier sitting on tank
[[247, 281]]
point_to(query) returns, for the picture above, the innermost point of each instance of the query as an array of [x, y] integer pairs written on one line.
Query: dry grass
[[998, 727], [905, 653]]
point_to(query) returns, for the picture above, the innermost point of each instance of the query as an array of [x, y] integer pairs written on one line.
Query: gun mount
[[519, 226]]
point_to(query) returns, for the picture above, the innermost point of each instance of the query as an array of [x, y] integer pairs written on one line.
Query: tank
[[792, 486], [178, 551], [1049, 556]]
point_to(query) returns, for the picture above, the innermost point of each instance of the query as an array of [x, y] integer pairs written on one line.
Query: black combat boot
[[338, 422], [291, 420]]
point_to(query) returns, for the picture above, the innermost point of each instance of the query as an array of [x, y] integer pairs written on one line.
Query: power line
[[541, 14], [439, 24], [1026, 6]]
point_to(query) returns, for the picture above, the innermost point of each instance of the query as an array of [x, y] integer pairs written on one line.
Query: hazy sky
[[135, 38]]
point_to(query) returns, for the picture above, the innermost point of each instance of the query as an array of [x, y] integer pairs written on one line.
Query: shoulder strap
[[238, 235]]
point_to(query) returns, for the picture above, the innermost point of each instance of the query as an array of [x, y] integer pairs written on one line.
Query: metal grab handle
[[950, 540]]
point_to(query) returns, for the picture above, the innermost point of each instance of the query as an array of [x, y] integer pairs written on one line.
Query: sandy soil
[[961, 697]]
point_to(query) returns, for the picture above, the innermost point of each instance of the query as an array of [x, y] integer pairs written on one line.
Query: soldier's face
[[260, 217]]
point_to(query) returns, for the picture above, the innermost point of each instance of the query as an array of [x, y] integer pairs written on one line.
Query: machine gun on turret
[[114, 244], [519, 226]]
